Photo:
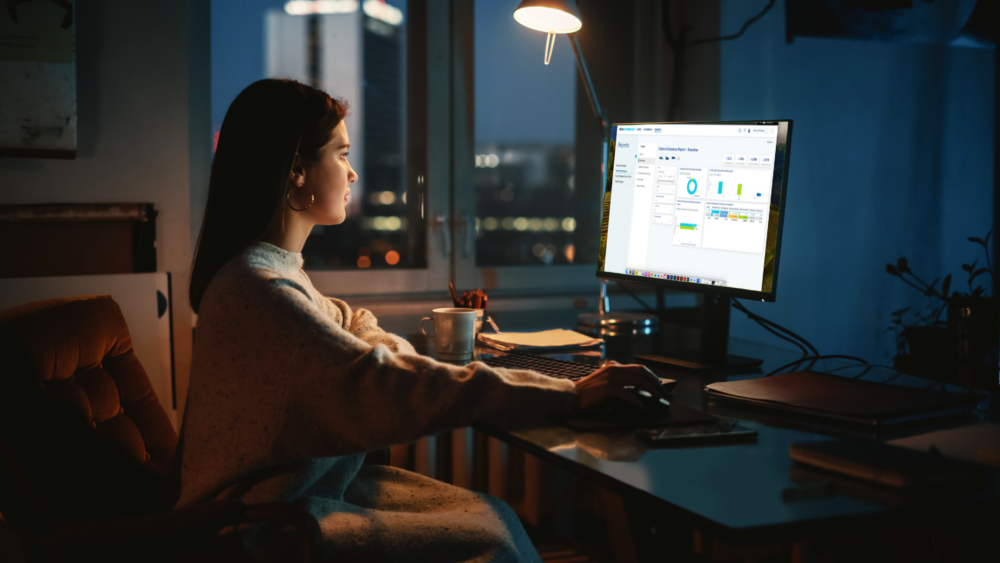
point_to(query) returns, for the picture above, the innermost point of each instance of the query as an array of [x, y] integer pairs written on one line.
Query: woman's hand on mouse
[[616, 380]]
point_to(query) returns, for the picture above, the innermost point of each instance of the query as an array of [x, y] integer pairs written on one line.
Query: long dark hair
[[266, 125]]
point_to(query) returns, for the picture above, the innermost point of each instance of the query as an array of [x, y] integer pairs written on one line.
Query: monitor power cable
[[868, 367], [774, 328], [813, 359], [801, 343]]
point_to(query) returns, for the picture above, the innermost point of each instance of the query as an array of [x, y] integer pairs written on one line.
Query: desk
[[742, 493]]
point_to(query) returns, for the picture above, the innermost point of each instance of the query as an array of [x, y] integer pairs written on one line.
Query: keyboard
[[548, 366]]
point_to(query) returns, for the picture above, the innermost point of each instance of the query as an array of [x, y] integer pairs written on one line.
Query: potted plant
[[956, 337]]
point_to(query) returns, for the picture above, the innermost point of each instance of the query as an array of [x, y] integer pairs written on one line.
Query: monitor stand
[[713, 353]]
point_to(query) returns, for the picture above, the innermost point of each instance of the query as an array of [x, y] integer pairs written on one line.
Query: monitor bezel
[[697, 287]]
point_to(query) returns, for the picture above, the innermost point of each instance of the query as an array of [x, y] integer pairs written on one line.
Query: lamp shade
[[549, 16]]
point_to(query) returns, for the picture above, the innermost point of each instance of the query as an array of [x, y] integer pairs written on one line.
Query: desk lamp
[[563, 16]]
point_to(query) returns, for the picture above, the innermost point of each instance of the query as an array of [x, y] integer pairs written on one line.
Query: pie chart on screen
[[692, 186]]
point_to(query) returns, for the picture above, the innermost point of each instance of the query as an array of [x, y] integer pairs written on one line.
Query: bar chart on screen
[[739, 185], [689, 217]]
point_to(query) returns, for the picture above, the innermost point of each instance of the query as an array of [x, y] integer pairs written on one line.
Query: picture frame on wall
[[38, 103]]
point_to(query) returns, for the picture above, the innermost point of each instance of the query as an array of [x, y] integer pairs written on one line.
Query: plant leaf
[[977, 273], [977, 291], [945, 285], [956, 294], [900, 312], [987, 239], [902, 266], [967, 267], [929, 292], [977, 240], [891, 270]]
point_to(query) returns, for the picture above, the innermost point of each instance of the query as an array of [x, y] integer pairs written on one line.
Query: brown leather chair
[[86, 450]]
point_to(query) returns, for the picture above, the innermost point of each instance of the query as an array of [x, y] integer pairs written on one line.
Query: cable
[[680, 43], [636, 297], [783, 337], [868, 367], [762, 321], [814, 359], [754, 316], [739, 33], [802, 344]]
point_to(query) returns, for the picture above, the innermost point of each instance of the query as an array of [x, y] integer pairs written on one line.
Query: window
[[353, 50], [525, 161], [465, 140], [518, 204]]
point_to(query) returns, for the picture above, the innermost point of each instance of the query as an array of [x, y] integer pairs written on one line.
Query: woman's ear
[[297, 177]]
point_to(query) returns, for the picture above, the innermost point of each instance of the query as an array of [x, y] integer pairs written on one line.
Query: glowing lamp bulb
[[551, 17]]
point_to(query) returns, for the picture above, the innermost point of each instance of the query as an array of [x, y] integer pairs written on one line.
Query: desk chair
[[86, 450]]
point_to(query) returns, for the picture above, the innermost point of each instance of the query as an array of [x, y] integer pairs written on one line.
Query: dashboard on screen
[[699, 204]]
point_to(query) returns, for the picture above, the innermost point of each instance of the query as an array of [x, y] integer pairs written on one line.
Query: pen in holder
[[475, 299]]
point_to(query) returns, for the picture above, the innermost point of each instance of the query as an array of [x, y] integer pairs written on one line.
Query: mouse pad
[[678, 415]]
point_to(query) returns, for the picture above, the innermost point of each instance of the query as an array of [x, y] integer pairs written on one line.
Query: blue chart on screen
[[692, 186]]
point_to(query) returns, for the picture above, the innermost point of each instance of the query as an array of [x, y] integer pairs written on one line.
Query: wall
[[140, 118], [892, 155]]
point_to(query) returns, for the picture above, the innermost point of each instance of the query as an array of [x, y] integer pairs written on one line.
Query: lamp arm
[[595, 105]]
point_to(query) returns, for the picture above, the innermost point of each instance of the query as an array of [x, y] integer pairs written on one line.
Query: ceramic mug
[[454, 332]]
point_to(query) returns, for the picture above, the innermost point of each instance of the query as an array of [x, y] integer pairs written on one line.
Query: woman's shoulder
[[254, 270]]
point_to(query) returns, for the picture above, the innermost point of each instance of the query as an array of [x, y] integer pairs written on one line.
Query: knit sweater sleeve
[[335, 393], [363, 324]]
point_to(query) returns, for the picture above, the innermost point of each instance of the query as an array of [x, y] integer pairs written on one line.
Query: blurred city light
[[307, 7], [372, 8]]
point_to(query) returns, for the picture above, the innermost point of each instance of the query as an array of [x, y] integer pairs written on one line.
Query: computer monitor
[[697, 207]]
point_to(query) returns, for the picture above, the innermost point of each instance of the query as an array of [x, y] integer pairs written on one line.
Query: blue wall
[[892, 155]]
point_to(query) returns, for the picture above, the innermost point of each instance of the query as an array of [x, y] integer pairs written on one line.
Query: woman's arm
[[332, 393], [363, 324]]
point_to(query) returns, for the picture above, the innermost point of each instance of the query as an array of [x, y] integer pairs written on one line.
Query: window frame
[[427, 164], [441, 169], [515, 279]]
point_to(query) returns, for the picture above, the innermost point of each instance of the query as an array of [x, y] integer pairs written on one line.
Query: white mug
[[454, 333]]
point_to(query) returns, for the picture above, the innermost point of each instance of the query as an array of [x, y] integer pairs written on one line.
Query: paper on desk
[[556, 338], [977, 443]]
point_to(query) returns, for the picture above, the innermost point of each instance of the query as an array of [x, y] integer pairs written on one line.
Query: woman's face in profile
[[330, 179]]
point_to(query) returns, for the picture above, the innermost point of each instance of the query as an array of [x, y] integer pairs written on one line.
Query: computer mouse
[[652, 404]]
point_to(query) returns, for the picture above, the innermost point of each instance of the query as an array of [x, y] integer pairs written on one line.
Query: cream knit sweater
[[289, 389]]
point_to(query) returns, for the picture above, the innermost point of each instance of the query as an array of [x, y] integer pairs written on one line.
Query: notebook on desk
[[842, 399]]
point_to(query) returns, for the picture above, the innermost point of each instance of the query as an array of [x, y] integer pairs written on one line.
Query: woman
[[289, 388]]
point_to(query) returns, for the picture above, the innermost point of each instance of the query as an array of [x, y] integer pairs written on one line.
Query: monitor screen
[[696, 206]]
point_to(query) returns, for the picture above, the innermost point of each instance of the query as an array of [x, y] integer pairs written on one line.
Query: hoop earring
[[288, 200]]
